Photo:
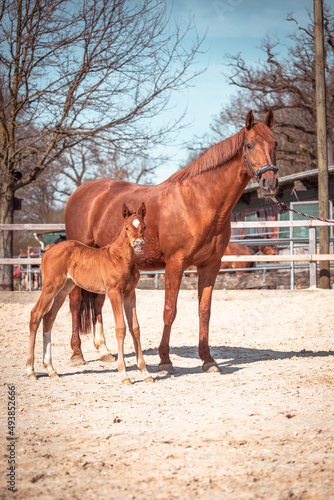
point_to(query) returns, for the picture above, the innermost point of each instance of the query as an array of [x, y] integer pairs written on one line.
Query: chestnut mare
[[111, 270], [188, 223]]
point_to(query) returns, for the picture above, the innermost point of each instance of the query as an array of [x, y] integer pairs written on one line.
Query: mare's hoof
[[54, 375], [107, 358], [77, 360], [32, 376], [126, 381], [166, 369], [211, 368], [149, 380]]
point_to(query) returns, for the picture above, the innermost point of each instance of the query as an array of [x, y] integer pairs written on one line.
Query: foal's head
[[135, 226], [260, 153]]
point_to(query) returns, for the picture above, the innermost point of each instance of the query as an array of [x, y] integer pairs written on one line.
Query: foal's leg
[[116, 304], [99, 339], [173, 277], [206, 280], [131, 316], [75, 301], [48, 320], [42, 306]]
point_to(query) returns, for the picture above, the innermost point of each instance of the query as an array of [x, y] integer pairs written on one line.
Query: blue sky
[[231, 26]]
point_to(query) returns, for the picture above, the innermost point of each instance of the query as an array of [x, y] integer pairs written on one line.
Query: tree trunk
[[6, 238]]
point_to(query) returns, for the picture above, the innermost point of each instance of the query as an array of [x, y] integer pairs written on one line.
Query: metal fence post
[[313, 250]]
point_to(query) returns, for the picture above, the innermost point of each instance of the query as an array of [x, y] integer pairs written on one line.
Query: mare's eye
[[276, 145], [249, 146]]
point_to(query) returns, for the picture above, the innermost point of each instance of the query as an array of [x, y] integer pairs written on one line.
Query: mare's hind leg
[[131, 316], [48, 321], [99, 339], [75, 301]]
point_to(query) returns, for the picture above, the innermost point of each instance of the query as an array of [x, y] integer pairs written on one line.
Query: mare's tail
[[86, 312]]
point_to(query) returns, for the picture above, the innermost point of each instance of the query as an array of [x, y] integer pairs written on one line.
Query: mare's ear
[[125, 211], [142, 210], [249, 120], [269, 121]]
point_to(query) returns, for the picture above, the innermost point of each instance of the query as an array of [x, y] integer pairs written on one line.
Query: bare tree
[[89, 71], [81, 164], [286, 85]]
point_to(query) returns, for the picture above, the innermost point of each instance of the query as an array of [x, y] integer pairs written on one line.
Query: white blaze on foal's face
[[136, 223]]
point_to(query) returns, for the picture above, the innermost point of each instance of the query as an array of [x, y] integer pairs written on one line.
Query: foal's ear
[[142, 210], [269, 121], [249, 120], [125, 211]]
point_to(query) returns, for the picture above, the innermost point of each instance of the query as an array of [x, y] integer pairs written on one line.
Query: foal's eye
[[127, 228], [144, 228], [249, 146], [276, 145]]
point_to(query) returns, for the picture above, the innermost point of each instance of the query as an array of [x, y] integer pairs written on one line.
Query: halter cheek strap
[[257, 174]]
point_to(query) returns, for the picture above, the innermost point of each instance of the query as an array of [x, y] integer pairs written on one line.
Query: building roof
[[300, 176]]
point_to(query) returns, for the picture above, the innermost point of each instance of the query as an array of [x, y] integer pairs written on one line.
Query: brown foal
[[109, 270]]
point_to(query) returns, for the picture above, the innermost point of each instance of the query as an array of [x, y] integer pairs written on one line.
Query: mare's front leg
[[173, 277], [206, 280], [117, 307], [131, 316], [98, 334], [75, 302]]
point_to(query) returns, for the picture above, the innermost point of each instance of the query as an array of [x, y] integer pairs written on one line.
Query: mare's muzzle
[[268, 186], [138, 245]]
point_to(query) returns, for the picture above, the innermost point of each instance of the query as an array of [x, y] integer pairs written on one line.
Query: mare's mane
[[213, 157], [219, 154]]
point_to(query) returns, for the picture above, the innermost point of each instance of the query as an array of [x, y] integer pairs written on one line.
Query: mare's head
[[260, 153], [135, 226]]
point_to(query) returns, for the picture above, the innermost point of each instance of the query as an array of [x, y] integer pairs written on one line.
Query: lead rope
[[285, 208]]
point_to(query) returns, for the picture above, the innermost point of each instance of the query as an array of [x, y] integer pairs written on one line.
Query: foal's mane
[[213, 157]]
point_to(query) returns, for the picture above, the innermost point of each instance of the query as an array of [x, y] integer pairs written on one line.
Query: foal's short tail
[[86, 312]]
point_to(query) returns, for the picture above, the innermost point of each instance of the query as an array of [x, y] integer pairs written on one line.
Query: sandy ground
[[262, 428]]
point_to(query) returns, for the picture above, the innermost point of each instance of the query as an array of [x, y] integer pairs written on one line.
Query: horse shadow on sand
[[229, 359]]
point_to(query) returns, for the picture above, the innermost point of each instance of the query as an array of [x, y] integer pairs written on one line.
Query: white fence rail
[[312, 257]]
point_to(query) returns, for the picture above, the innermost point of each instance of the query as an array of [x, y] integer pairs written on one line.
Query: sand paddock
[[262, 428]]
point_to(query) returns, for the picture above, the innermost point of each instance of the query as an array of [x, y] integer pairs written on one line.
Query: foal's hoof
[[149, 380], [77, 360], [166, 369], [126, 381], [107, 358], [211, 368], [54, 375], [32, 376]]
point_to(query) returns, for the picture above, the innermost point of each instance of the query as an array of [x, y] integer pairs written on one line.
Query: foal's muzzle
[[138, 245]]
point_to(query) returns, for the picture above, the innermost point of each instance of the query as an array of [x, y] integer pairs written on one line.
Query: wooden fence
[[312, 257]]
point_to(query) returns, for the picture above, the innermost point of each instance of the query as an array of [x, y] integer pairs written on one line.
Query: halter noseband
[[257, 174]]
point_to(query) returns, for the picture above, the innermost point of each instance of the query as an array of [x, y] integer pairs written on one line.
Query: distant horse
[[231, 249], [110, 270], [188, 223], [237, 249], [266, 249]]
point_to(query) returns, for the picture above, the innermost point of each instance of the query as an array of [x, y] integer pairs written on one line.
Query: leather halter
[[257, 174]]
